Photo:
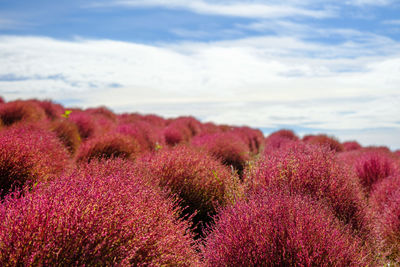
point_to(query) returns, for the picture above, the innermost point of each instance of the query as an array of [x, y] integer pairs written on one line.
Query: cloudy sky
[[309, 65]]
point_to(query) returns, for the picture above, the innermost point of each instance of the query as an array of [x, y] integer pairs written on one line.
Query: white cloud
[[392, 22], [253, 9], [265, 81], [369, 2]]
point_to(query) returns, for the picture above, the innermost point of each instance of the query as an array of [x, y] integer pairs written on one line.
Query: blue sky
[[311, 65]]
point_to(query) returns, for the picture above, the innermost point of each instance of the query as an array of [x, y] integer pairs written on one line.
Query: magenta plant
[[2, 101], [52, 110], [382, 192], [21, 111], [374, 165], [279, 139], [252, 137], [174, 136], [199, 180], [276, 229], [68, 133], [351, 145], [86, 124], [101, 215], [108, 146], [312, 169], [324, 140], [228, 147], [29, 154]]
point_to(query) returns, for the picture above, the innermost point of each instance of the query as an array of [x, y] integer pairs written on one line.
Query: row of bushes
[[91, 187]]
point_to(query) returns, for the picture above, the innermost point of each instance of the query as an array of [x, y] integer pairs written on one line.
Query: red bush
[[253, 138], [198, 179], [391, 226], [108, 146], [324, 140], [86, 124], [279, 139], [53, 111], [274, 229], [28, 155], [101, 215], [21, 111], [382, 192], [312, 169], [374, 165], [227, 147], [351, 145], [68, 134]]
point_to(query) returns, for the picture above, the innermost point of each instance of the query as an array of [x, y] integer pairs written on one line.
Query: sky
[[312, 66]]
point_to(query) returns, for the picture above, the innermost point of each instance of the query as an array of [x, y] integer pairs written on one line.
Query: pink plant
[[351, 145], [198, 179], [252, 137], [101, 215], [68, 133], [53, 111], [228, 147], [29, 154], [275, 229], [374, 165], [390, 221], [86, 124], [279, 139], [21, 111], [174, 135], [2, 101], [382, 192], [322, 139], [108, 146], [312, 169]]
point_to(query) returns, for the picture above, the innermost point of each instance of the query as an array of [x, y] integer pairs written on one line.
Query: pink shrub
[[181, 130], [102, 112], [174, 135], [324, 140], [101, 215], [108, 146], [28, 155], [311, 169], [2, 101], [382, 192], [397, 152], [68, 133], [375, 165], [279, 139], [21, 111], [227, 147], [53, 111], [391, 226], [252, 137], [351, 145], [275, 229], [86, 124], [198, 179], [147, 135]]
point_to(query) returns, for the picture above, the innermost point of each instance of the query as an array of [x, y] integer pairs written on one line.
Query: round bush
[[274, 229], [351, 145], [312, 169], [108, 146], [372, 166], [252, 137], [279, 139], [68, 134], [228, 147], [101, 215], [86, 123], [21, 111], [382, 192], [201, 182], [324, 140], [29, 154]]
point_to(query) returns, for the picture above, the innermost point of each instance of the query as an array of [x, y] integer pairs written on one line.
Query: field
[[95, 188]]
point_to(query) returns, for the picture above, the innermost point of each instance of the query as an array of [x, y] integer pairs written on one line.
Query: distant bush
[[351, 145], [101, 215], [21, 111], [53, 111], [275, 229], [29, 154], [86, 123], [322, 139], [312, 169], [108, 146], [228, 147], [382, 192], [252, 137], [375, 165], [199, 180], [279, 139], [2, 101], [68, 134], [174, 135]]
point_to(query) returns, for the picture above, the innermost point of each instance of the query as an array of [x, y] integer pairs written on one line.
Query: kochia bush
[[199, 180], [324, 140], [279, 139], [101, 215], [312, 169], [21, 111], [29, 154], [68, 134], [108, 146], [275, 229]]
